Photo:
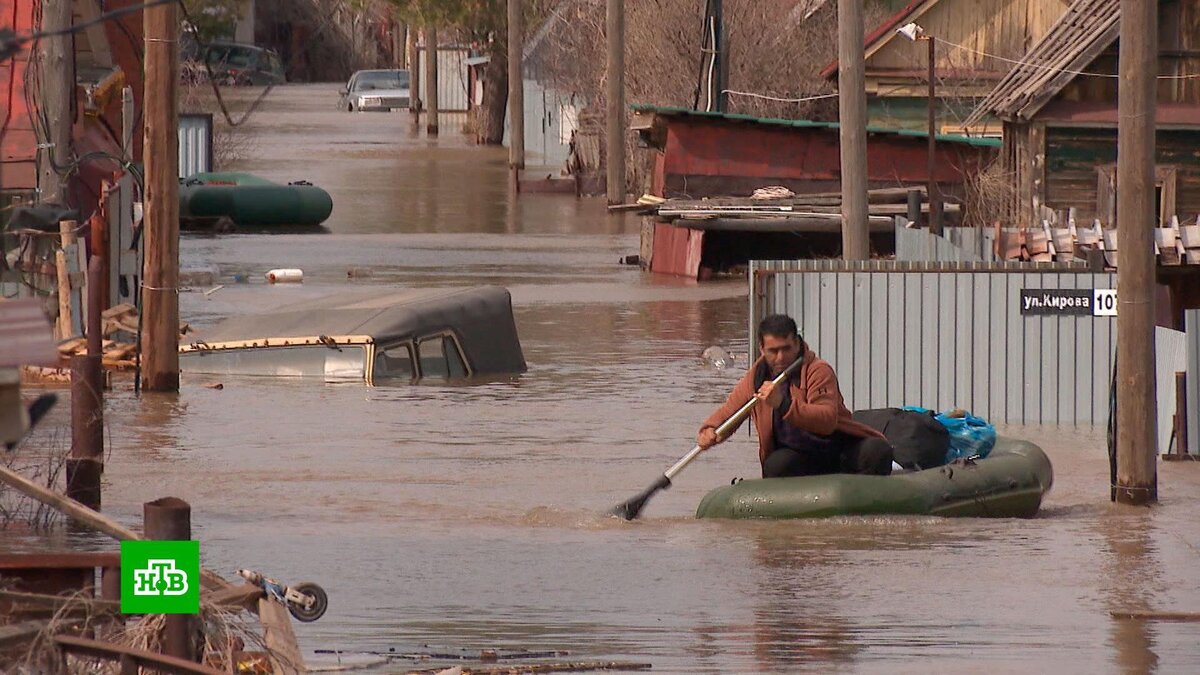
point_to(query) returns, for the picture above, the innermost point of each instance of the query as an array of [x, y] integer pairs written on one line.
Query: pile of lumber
[[118, 354]]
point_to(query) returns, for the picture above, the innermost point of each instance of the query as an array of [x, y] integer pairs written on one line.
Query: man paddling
[[804, 428]]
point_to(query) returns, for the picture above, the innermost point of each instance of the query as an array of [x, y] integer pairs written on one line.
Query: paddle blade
[[632, 508]]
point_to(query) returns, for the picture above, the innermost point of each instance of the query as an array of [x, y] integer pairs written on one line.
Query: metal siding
[[997, 341], [910, 348], [195, 144], [902, 334], [895, 314], [1170, 348], [1048, 380], [452, 78], [964, 338]]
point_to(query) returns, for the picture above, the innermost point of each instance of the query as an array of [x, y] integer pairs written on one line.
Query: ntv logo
[[160, 577]]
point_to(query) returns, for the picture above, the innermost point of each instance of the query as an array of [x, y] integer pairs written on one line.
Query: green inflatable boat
[[251, 201], [1009, 483]]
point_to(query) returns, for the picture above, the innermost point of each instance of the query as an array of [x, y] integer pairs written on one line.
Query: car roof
[[480, 316]]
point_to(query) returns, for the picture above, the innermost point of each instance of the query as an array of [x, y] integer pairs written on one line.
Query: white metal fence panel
[[195, 144], [949, 335], [1192, 321], [959, 244]]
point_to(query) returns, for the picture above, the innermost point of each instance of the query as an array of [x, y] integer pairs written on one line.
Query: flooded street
[[473, 516]]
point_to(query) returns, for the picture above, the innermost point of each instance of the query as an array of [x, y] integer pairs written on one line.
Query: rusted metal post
[[86, 463], [170, 519], [935, 197], [1181, 428], [1137, 452]]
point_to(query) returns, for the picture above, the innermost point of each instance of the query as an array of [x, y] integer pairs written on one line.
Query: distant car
[[370, 90], [388, 336], [241, 64]]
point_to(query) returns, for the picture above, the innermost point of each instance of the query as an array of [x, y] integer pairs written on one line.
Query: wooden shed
[[977, 43], [1059, 110]]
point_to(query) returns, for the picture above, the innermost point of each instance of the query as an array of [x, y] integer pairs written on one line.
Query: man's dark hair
[[777, 325]]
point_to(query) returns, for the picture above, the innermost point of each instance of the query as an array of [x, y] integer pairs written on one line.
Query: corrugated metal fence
[[959, 244], [948, 335], [1192, 319], [195, 144]]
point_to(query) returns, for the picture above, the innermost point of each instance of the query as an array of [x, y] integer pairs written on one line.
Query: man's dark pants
[[847, 454]]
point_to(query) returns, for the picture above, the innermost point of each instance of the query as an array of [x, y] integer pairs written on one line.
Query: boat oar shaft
[[630, 509]]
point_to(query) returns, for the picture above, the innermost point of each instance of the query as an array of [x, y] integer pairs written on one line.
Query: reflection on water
[[474, 515]]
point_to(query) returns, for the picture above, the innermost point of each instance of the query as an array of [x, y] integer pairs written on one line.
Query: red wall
[[739, 151]]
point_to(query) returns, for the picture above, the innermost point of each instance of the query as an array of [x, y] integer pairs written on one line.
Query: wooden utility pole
[[852, 118], [58, 88], [1136, 434], [160, 299], [431, 80], [935, 196], [414, 74], [516, 91], [399, 44], [615, 133]]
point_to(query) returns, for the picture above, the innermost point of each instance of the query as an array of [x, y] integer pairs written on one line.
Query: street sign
[[1069, 302]]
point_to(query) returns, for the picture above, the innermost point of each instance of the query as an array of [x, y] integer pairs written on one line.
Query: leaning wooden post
[[170, 519], [86, 463]]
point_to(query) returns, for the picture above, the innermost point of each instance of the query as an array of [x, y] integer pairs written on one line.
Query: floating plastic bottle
[[285, 276]]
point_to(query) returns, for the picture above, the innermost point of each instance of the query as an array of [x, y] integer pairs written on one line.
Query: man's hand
[[707, 438], [771, 394]]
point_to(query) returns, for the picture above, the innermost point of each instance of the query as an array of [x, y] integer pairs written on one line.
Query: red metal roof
[[884, 30]]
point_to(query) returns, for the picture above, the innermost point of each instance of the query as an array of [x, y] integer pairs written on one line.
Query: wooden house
[[1059, 112], [977, 43]]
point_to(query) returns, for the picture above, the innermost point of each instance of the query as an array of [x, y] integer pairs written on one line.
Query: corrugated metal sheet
[[943, 335], [453, 78], [195, 144], [1170, 357], [959, 244], [1192, 321]]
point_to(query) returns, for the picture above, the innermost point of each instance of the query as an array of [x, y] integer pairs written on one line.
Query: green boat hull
[[252, 201], [1009, 483]]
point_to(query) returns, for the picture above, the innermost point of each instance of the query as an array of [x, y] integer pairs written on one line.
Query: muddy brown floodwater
[[473, 516]]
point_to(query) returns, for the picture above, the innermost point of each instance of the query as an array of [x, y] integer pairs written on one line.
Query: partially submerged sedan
[[390, 336], [376, 90]]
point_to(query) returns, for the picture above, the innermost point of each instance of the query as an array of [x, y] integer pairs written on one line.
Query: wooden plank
[[1144, 615], [20, 632], [244, 595], [113, 652], [279, 638]]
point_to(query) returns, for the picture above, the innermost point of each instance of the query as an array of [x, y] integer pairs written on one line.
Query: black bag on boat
[[920, 441]]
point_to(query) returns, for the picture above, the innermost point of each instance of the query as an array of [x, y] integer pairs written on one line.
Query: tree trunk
[[494, 108]]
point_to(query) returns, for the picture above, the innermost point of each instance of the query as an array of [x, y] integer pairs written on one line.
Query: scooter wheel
[[320, 602]]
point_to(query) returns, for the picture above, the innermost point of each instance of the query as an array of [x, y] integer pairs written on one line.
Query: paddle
[[630, 509]]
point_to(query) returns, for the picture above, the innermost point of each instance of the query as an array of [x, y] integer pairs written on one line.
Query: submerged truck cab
[[381, 337]]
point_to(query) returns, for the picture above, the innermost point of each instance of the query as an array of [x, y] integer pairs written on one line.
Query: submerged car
[[391, 336], [370, 90], [238, 64]]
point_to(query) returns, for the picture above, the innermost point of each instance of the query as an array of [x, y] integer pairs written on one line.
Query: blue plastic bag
[[969, 436]]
